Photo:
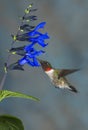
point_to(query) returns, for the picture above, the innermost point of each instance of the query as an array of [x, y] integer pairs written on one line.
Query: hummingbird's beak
[[41, 61]]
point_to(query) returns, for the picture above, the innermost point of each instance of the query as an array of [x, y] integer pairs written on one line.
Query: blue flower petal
[[36, 62], [45, 36], [37, 53], [41, 25], [22, 61], [29, 47], [34, 32], [29, 62], [34, 54], [39, 40], [31, 59]]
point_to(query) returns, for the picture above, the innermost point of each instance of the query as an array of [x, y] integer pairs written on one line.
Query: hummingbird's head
[[45, 65]]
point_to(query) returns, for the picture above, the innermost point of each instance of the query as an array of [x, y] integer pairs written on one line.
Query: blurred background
[[67, 25]]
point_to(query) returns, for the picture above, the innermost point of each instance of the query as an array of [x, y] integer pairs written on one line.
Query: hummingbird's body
[[57, 76], [57, 82]]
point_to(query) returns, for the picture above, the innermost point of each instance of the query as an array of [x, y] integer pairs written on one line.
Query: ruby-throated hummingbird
[[57, 76]]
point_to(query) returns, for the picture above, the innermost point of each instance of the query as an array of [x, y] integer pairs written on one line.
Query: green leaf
[[8, 122], [6, 94]]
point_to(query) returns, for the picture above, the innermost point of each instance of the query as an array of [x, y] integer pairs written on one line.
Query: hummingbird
[[57, 76]]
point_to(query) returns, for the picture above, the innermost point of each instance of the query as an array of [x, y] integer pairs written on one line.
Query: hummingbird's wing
[[66, 72]]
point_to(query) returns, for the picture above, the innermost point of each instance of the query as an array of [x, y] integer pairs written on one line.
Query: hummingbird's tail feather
[[73, 89]]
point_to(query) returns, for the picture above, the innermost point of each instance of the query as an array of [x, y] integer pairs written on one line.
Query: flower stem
[[3, 81]]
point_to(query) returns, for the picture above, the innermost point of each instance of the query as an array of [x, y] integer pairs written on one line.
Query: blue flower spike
[[33, 36]]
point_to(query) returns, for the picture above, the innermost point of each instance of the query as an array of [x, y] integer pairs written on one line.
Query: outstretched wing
[[66, 72]]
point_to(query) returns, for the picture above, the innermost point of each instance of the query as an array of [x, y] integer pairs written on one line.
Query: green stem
[[3, 81]]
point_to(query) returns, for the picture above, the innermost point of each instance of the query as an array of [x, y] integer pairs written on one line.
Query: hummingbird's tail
[[73, 89]]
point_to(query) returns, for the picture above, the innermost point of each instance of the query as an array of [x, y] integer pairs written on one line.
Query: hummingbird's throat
[[48, 69]]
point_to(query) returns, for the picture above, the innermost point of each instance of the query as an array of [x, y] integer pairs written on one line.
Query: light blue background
[[67, 25]]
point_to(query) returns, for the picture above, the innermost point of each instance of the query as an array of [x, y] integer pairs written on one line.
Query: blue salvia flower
[[26, 60], [25, 50], [30, 57], [29, 54], [30, 35], [40, 39], [32, 52], [33, 36]]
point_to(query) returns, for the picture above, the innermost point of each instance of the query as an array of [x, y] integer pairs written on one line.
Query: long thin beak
[[41, 61]]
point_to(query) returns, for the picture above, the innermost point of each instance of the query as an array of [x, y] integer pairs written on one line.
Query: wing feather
[[66, 72]]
